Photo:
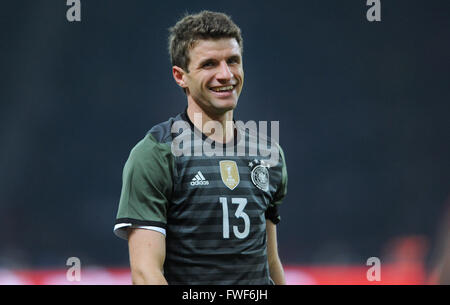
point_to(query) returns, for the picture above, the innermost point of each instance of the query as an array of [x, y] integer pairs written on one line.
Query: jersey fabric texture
[[212, 209]]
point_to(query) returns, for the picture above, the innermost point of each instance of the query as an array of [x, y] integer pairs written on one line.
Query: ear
[[178, 75]]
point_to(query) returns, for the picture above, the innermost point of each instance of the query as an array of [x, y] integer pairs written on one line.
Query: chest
[[203, 186]]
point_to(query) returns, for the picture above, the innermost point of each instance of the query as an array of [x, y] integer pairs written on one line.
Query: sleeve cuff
[[272, 214], [122, 224]]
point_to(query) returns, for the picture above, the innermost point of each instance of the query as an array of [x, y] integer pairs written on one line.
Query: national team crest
[[260, 174], [229, 173], [260, 177]]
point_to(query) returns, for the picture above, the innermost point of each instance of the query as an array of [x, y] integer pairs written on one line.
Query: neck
[[218, 127]]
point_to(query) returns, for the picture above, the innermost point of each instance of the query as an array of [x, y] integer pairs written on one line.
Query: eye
[[208, 64], [233, 60]]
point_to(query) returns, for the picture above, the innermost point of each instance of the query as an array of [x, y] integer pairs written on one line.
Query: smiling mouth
[[223, 88]]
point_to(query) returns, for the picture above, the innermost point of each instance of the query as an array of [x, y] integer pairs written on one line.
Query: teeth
[[222, 88]]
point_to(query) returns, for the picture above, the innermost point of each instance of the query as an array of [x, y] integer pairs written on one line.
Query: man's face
[[215, 76]]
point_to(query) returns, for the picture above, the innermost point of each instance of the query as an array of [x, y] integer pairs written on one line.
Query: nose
[[224, 72]]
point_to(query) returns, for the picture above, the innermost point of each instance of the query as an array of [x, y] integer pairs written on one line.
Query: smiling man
[[203, 219]]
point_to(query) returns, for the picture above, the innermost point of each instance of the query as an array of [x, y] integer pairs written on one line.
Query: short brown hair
[[204, 25]]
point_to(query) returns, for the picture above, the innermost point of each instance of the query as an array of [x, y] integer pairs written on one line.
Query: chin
[[224, 105], [216, 106]]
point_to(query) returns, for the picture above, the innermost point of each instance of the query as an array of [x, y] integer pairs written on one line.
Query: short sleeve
[[146, 188], [272, 211], [282, 188]]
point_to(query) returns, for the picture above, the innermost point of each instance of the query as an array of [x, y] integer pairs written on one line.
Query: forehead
[[214, 48]]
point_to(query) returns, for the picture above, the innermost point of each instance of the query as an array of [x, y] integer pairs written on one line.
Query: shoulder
[[162, 133], [257, 138], [156, 144]]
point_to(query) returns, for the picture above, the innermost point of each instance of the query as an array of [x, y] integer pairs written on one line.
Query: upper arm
[[279, 176], [272, 244], [147, 250], [146, 187], [275, 266], [282, 177]]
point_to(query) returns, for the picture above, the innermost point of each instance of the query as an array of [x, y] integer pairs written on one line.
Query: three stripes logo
[[199, 179]]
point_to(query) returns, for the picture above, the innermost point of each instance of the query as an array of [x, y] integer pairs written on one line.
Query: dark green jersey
[[212, 208]]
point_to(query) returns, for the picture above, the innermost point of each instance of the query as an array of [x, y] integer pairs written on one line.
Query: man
[[194, 218]]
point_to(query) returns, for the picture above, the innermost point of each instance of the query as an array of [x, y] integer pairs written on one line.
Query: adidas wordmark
[[199, 179]]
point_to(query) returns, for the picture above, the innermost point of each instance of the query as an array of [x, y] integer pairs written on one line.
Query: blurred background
[[364, 123]]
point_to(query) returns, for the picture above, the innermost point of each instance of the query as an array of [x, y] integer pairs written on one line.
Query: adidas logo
[[199, 180]]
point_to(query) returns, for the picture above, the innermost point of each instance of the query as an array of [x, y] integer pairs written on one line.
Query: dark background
[[363, 110]]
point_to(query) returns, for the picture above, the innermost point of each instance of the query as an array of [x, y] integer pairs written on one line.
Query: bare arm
[[147, 250], [275, 267]]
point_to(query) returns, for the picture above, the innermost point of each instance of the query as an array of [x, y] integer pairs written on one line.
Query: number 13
[[239, 214]]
